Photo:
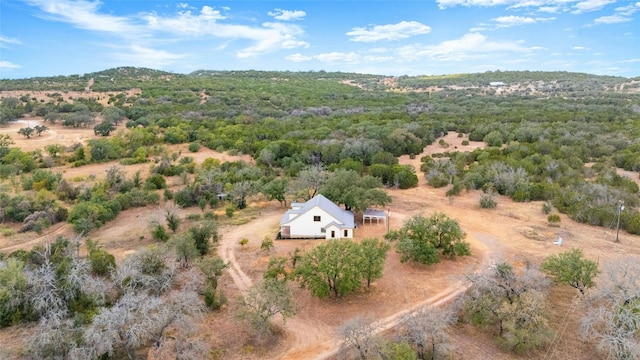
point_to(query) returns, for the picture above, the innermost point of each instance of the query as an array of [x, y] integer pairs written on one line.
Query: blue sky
[[66, 37]]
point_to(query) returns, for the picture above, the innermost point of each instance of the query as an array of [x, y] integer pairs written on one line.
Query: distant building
[[496, 83]]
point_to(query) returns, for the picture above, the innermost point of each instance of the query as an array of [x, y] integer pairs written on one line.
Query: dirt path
[[229, 244], [310, 338]]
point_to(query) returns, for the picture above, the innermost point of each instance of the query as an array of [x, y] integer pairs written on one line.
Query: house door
[[333, 234], [346, 233]]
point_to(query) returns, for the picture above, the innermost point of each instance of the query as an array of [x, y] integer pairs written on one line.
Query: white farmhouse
[[317, 218]]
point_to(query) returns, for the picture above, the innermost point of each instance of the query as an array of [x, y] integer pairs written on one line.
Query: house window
[[316, 218], [333, 234], [346, 233]]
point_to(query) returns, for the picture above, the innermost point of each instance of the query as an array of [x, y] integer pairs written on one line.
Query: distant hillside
[[116, 79], [525, 82]]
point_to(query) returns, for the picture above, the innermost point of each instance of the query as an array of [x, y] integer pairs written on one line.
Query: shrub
[[487, 201], [194, 147], [193, 217], [154, 182], [159, 233], [632, 225], [553, 219], [267, 244], [102, 262], [214, 299], [546, 208]]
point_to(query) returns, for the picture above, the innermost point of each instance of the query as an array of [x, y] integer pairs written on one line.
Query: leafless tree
[[359, 336], [612, 310], [309, 182], [514, 302], [53, 338], [50, 292], [136, 320], [149, 269], [427, 331]]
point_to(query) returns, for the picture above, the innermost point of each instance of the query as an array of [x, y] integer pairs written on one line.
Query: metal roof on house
[[339, 226], [344, 216]]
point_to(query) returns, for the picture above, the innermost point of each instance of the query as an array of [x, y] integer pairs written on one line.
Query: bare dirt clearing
[[515, 232]]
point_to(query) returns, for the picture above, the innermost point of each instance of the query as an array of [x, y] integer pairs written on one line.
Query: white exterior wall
[[304, 226], [339, 233]]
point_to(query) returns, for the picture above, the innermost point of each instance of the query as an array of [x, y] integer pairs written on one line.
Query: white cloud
[[7, 40], [443, 4], [629, 9], [136, 55], [84, 15], [622, 14], [269, 38], [612, 19], [508, 21], [335, 57], [379, 50], [186, 24], [549, 6], [401, 30], [591, 5], [287, 15], [549, 9], [377, 59], [297, 57], [8, 65], [579, 48], [470, 46]]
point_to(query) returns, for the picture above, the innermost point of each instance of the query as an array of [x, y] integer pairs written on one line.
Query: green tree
[[331, 268], [159, 233], [13, 296], [40, 129], [276, 189], [571, 268], [53, 150], [104, 128], [212, 268], [374, 254], [240, 191], [276, 269], [102, 262], [355, 192], [113, 115], [185, 248], [5, 140], [264, 301], [26, 132], [51, 116], [172, 217], [424, 239], [203, 234]]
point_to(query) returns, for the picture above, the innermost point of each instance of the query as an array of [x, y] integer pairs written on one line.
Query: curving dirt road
[[309, 338]]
